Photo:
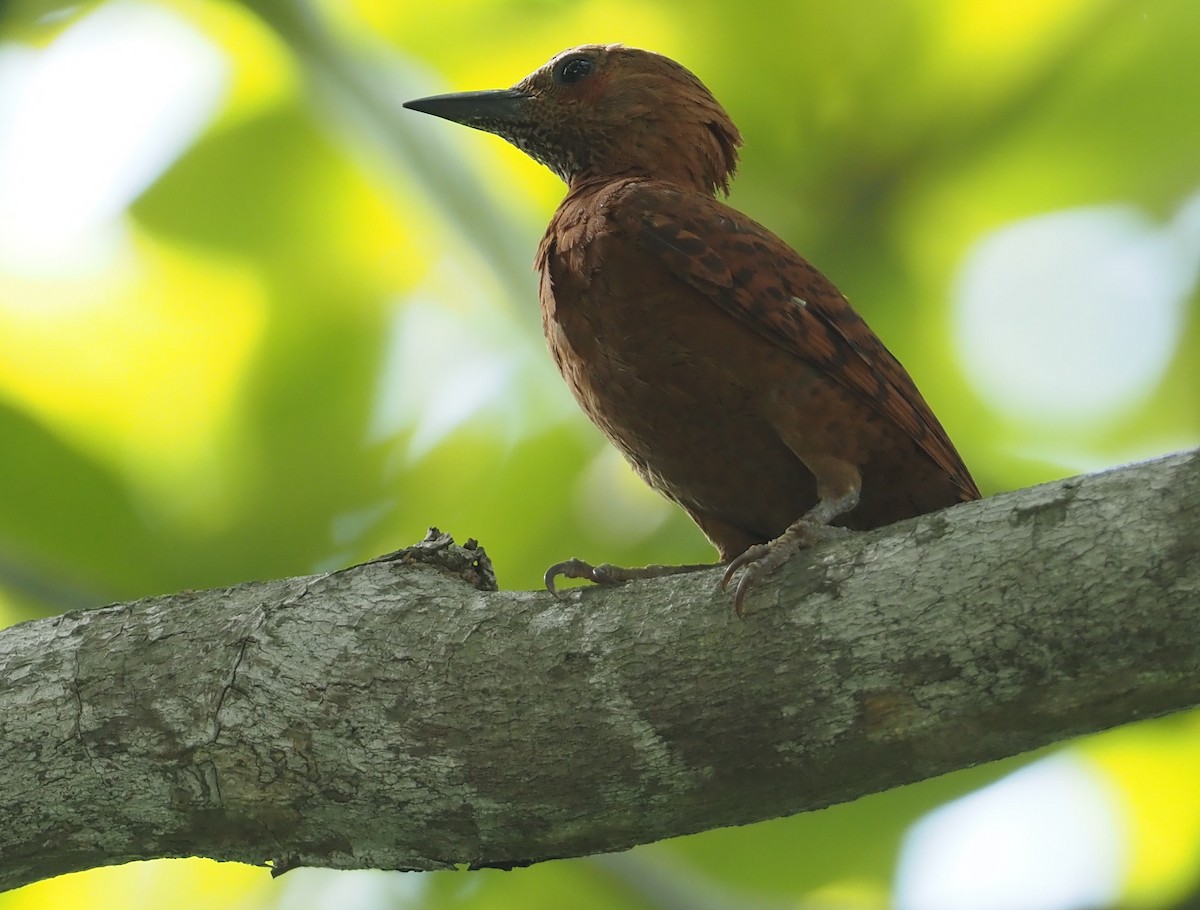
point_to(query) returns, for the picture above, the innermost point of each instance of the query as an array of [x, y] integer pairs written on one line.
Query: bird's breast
[[677, 384]]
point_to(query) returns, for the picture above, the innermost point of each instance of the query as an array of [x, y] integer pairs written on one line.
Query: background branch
[[395, 716]]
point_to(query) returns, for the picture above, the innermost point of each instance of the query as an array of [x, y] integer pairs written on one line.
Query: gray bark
[[394, 716]]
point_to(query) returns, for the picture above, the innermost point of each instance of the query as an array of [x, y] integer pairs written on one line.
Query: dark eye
[[572, 70]]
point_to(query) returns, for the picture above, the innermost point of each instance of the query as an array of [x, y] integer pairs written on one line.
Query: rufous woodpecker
[[733, 376]]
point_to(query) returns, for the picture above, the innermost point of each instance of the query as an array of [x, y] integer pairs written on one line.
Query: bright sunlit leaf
[[139, 364], [181, 884], [1153, 769]]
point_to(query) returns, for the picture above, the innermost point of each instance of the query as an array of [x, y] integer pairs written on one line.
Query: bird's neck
[[585, 181]]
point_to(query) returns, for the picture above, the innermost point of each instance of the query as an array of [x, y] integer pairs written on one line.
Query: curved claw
[[568, 568], [751, 564], [754, 553], [603, 574], [763, 558], [739, 595], [749, 561]]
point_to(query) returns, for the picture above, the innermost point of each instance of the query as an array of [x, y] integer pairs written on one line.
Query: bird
[[733, 376]]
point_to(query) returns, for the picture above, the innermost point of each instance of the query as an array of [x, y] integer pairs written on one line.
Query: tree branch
[[393, 716]]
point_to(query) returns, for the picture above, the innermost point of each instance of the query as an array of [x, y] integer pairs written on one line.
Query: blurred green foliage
[[319, 334]]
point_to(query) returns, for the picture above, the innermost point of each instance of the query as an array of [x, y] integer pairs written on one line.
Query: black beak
[[482, 110]]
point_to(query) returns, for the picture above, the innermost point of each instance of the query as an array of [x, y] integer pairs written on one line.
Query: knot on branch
[[469, 562]]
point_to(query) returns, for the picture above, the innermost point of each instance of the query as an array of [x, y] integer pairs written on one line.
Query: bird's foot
[[762, 559], [577, 568], [608, 574]]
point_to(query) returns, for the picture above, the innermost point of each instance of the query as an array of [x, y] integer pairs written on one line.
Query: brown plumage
[[733, 376]]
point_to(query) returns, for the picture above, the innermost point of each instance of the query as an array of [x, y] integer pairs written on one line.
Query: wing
[[761, 281]]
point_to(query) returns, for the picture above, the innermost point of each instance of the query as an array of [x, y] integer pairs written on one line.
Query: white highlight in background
[[439, 372], [1072, 316], [1048, 837], [87, 123]]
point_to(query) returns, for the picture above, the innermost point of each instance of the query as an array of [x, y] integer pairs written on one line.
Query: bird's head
[[607, 111]]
